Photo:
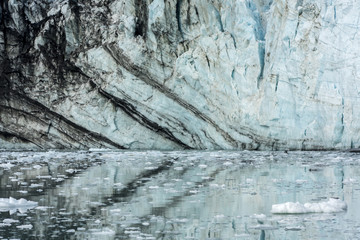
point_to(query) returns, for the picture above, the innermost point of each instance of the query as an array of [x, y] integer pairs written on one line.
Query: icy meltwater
[[179, 195]]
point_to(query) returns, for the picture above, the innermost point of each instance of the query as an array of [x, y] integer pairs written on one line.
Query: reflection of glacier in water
[[178, 195]]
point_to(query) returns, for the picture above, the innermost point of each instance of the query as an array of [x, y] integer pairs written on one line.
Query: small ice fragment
[[4, 225], [37, 166], [100, 149], [42, 208], [202, 166], [70, 170], [22, 191], [332, 205], [153, 187], [179, 168], [145, 224], [98, 221], [214, 185], [7, 165], [27, 226], [34, 185], [70, 231], [227, 163], [150, 168], [43, 177], [9, 221]]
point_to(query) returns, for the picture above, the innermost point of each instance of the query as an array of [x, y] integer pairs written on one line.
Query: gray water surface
[[178, 195]]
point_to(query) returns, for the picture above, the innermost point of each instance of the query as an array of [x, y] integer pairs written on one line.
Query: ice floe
[[332, 205], [7, 165], [12, 205]]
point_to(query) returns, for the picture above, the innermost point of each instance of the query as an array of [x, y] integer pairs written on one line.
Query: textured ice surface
[[175, 74]]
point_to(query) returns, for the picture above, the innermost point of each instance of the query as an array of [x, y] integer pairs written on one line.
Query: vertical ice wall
[[179, 74]]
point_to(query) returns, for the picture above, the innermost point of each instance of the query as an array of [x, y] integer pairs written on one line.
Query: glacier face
[[180, 74]]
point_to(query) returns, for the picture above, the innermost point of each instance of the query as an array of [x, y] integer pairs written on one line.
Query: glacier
[[179, 74]]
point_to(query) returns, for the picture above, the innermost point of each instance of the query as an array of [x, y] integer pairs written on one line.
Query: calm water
[[177, 195]]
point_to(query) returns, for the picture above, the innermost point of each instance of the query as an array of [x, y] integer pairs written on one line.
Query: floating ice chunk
[[43, 177], [37, 166], [27, 226], [9, 221], [59, 179], [12, 204], [100, 150], [102, 232], [22, 191], [202, 166], [7, 165], [42, 208], [35, 185], [70, 170], [227, 163], [150, 168], [333, 205]]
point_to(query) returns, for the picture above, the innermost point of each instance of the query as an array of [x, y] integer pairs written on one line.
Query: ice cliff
[[180, 74]]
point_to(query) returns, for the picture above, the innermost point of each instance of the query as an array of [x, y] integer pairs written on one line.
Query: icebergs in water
[[12, 205], [332, 205]]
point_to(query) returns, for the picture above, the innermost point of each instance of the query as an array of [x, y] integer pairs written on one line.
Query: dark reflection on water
[[177, 195]]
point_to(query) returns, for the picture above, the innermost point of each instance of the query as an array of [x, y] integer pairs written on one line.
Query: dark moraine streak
[[130, 110], [124, 61], [141, 12], [43, 114]]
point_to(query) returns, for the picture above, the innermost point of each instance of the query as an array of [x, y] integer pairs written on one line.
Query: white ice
[[12, 204], [332, 205], [7, 165]]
